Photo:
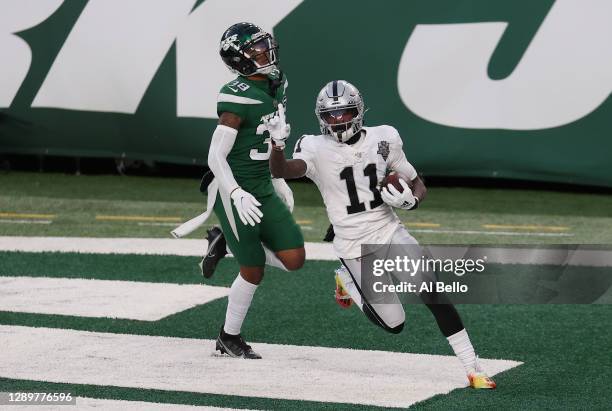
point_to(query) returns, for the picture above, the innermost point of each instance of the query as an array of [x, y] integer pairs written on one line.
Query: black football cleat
[[235, 346], [217, 249]]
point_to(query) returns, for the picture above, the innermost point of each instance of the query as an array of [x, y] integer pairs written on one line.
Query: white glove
[[278, 128], [405, 200], [247, 207], [284, 192]]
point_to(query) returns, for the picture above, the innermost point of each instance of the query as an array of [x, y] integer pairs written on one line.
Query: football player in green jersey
[[257, 225]]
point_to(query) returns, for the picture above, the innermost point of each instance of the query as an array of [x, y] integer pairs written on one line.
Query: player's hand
[[278, 128], [247, 207], [405, 200], [284, 192]]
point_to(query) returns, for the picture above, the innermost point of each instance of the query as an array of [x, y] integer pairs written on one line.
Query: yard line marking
[[103, 298], [155, 246], [531, 255], [525, 227], [136, 218], [386, 379], [493, 233], [195, 247], [97, 404], [300, 222], [157, 224], [25, 221], [422, 225], [25, 215]]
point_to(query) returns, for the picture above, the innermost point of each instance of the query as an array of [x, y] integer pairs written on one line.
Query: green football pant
[[277, 230]]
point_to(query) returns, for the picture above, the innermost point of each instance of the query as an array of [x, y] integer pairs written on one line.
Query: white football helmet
[[339, 109]]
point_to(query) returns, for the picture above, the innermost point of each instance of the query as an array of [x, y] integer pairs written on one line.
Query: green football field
[[111, 206], [564, 349]]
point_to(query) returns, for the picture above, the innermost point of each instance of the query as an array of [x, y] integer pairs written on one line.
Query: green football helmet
[[247, 50]]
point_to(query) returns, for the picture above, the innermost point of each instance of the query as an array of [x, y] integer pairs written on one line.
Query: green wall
[[359, 41]]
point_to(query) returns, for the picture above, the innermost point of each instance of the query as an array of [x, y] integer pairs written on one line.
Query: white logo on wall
[[565, 73], [106, 64]]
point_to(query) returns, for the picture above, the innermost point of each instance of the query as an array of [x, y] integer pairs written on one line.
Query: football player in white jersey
[[347, 162]]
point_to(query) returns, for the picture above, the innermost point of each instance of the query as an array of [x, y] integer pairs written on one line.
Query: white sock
[[238, 303], [273, 260], [460, 342]]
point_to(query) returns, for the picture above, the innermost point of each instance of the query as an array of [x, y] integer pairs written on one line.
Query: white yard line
[[157, 224], [493, 233], [314, 251], [97, 404], [102, 298], [157, 246], [13, 221], [306, 373]]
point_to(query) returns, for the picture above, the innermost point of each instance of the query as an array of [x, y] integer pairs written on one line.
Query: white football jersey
[[348, 177]]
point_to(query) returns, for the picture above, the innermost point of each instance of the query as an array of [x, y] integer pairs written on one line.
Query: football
[[393, 178]]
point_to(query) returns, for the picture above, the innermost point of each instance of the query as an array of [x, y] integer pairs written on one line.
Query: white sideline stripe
[[306, 373], [6, 221], [102, 298], [314, 251], [493, 233], [157, 246], [531, 256], [85, 403]]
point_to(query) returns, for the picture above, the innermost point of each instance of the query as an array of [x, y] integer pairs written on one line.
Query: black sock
[[445, 313]]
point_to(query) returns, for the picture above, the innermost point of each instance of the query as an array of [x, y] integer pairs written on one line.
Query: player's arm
[[414, 193], [401, 165], [280, 167], [418, 189], [221, 144], [279, 131]]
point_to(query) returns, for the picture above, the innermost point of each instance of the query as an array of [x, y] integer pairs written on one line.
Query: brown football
[[393, 178]]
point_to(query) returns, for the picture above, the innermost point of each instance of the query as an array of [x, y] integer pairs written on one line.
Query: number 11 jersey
[[348, 177]]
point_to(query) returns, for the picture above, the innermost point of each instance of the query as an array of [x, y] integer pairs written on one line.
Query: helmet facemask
[[341, 122], [339, 109], [263, 52]]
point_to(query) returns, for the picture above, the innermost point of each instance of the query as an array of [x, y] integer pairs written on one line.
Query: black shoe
[[216, 251], [235, 346]]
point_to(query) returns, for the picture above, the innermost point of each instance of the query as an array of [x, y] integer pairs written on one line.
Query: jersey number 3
[[355, 206], [256, 154]]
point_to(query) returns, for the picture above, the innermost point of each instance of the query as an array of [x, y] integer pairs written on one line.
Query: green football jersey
[[252, 101]]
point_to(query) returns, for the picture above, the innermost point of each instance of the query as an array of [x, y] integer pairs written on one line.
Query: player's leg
[[281, 235], [384, 311], [448, 320], [284, 247], [293, 258], [245, 245], [217, 249], [243, 288]]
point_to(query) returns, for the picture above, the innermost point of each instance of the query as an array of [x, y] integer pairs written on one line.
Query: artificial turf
[[565, 348]]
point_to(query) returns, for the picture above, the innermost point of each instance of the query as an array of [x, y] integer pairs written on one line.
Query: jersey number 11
[[355, 206]]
